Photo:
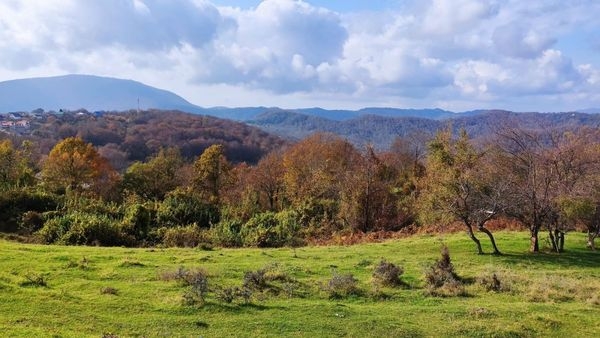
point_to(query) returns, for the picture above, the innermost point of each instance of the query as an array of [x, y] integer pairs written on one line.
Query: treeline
[[319, 187]]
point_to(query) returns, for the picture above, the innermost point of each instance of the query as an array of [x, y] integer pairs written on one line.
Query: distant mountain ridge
[[376, 125], [111, 94]]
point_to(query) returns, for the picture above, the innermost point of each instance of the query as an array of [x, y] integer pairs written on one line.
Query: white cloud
[[456, 53]]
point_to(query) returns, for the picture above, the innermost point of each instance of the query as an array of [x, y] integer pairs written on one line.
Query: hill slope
[[86, 91]]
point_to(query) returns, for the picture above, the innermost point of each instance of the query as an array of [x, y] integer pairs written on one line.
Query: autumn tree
[[521, 162], [457, 186], [15, 169], [212, 173], [76, 166], [156, 177], [316, 170], [575, 159]]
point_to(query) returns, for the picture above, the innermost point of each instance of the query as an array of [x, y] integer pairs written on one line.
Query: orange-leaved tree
[[73, 165]]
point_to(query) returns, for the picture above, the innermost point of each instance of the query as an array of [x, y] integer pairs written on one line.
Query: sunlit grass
[[91, 291]]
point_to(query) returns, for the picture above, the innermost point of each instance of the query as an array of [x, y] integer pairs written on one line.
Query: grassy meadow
[[65, 291]]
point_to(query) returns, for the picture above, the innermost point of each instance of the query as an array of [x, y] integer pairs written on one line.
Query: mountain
[[86, 91], [589, 111], [381, 131]]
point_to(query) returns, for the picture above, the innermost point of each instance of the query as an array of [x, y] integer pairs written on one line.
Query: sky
[[458, 55]]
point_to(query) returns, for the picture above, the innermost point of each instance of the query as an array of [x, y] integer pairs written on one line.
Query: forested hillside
[[381, 131], [124, 137]]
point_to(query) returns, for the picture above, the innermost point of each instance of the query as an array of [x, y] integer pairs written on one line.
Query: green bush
[[16, 202], [261, 231], [226, 233], [187, 236], [137, 220], [270, 229], [184, 207], [78, 228]]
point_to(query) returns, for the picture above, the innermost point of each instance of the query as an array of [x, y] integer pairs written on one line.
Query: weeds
[[35, 279]]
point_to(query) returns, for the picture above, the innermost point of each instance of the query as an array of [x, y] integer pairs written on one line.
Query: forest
[[189, 183]]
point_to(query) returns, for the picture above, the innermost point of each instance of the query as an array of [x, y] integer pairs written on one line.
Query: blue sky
[[535, 55]]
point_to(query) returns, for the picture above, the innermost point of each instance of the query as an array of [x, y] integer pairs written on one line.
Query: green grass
[[94, 291]]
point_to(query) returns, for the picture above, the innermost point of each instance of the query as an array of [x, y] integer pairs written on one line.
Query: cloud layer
[[454, 54]]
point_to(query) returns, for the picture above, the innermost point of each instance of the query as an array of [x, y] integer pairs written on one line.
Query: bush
[[182, 207], [226, 233], [14, 203], [188, 236], [137, 220], [260, 231], [387, 274], [270, 229], [342, 286], [230, 294], [107, 290], [493, 283], [195, 280], [78, 228], [442, 280]]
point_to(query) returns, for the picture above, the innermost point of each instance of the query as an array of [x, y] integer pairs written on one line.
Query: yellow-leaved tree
[[73, 165]]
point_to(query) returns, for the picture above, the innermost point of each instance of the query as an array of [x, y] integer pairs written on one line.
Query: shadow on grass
[[578, 258]]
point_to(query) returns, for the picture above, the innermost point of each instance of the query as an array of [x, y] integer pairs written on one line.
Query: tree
[[267, 179], [15, 169], [212, 173], [74, 165], [457, 186], [521, 163], [155, 178]]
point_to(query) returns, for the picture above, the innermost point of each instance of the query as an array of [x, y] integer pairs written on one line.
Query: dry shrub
[[494, 282], [107, 290], [342, 286], [441, 279], [387, 274]]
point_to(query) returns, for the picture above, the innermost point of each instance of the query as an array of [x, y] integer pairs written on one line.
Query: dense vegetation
[[125, 137], [318, 189], [388, 289]]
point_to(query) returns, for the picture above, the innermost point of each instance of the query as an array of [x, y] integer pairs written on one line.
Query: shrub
[[442, 280], [15, 202], [493, 282], [137, 220], [261, 231], [107, 290], [196, 281], [183, 207], [255, 280], [387, 274], [79, 228], [230, 294], [342, 286], [184, 236], [226, 233]]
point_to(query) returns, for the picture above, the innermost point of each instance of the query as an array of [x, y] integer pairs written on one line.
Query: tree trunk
[[489, 233], [561, 241], [591, 237], [553, 241], [534, 242], [472, 236]]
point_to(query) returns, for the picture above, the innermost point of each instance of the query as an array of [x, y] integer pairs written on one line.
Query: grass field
[[92, 291]]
